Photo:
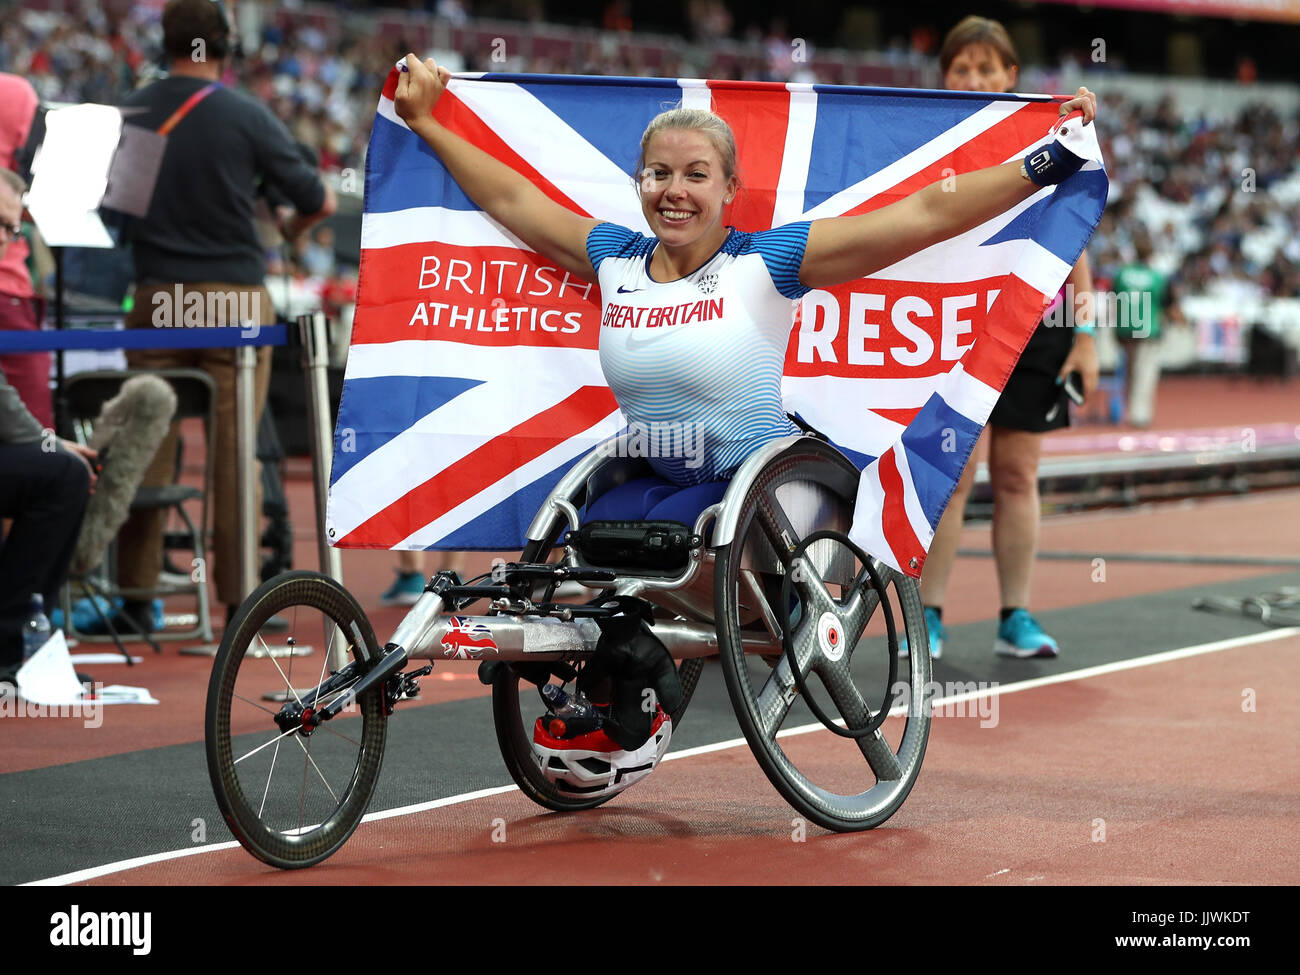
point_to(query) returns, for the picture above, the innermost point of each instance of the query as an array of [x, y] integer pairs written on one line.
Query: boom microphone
[[129, 429]]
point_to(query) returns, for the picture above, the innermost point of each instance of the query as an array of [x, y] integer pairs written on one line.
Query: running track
[[1101, 774]]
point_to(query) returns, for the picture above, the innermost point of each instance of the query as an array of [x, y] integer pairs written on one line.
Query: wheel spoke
[[325, 658], [267, 744], [306, 750], [856, 714], [760, 603], [776, 526], [339, 734], [776, 698], [260, 707], [816, 598], [274, 755], [302, 802], [857, 613], [779, 690], [288, 685]]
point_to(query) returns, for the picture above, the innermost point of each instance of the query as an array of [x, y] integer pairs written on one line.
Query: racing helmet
[[593, 765]]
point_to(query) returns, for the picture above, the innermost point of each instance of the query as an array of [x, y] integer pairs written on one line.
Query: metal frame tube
[[427, 634]]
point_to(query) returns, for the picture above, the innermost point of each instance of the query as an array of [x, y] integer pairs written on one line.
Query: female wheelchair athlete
[[771, 585]]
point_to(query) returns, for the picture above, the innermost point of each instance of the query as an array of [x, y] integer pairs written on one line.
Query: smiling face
[[684, 186], [978, 67]]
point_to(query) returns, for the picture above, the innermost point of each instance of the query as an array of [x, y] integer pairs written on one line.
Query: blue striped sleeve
[[782, 249], [609, 240]]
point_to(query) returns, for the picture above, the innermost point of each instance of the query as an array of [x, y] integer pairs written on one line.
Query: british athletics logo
[[474, 379]]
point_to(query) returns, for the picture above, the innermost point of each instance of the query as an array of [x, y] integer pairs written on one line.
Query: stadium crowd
[[1219, 199]]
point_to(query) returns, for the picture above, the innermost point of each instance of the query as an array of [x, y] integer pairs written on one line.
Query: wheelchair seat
[[655, 499]]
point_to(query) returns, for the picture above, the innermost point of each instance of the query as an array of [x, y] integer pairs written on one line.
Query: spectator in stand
[[710, 20], [1144, 293], [318, 258], [618, 16]]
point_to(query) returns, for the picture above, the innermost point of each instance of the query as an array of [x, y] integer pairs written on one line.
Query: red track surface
[[1185, 785]]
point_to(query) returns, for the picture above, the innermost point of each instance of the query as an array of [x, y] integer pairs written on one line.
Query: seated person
[[44, 486], [695, 318]]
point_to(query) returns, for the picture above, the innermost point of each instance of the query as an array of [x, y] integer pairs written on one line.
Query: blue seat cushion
[[655, 499]]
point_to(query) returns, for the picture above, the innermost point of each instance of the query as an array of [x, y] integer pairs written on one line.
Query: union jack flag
[[473, 380]]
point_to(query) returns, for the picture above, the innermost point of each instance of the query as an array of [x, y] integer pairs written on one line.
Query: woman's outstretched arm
[[511, 199], [844, 249]]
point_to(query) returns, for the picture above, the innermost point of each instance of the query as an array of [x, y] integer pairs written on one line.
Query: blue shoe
[[938, 632], [406, 591], [84, 616], [1021, 636], [87, 621]]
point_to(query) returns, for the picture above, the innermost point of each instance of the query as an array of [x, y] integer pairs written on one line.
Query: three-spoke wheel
[[840, 640], [292, 790]]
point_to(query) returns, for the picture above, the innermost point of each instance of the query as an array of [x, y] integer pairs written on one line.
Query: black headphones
[[220, 45], [223, 44]]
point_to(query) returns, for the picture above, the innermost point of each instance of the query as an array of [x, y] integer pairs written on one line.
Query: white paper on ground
[[103, 658], [120, 694], [47, 677]]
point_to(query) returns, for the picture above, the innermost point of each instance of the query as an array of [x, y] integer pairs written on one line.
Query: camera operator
[[199, 239]]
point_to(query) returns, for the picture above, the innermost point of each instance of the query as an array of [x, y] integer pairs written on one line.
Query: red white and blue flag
[[473, 380]]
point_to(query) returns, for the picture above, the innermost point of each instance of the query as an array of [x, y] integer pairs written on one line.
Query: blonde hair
[[697, 119]]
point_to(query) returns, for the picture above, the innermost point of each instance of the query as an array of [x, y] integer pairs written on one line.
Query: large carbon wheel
[[839, 637], [292, 794], [515, 732]]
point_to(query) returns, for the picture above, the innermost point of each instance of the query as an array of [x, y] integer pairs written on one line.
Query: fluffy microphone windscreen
[[132, 425]]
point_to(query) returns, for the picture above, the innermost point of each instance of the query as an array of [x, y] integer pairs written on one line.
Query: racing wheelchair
[[766, 580]]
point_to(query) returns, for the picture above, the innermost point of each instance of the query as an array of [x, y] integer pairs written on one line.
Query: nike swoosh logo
[[641, 337], [627, 291]]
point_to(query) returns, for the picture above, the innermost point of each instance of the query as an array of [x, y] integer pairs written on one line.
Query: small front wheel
[[293, 791]]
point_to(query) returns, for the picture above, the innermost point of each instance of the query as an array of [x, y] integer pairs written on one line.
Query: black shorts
[[1031, 391]]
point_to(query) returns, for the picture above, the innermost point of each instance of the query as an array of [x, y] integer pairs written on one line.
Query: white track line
[[91, 873]]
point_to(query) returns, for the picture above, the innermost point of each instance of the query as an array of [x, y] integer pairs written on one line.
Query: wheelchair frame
[[523, 627]]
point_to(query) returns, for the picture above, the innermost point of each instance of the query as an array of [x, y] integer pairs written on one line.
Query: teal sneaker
[[938, 632], [405, 591], [88, 621], [1021, 636]]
